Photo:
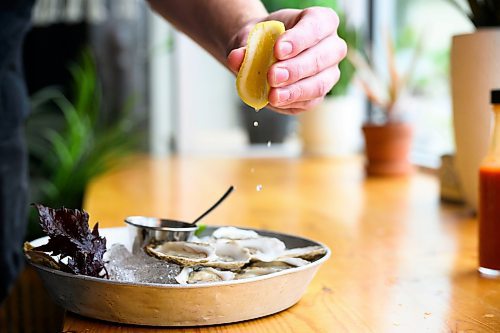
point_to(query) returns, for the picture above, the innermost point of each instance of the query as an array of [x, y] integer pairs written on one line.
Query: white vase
[[475, 71], [333, 128]]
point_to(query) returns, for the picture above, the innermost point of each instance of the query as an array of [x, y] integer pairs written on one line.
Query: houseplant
[[70, 141], [387, 135], [474, 64]]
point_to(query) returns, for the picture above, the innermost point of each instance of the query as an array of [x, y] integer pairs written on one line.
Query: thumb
[[235, 59]]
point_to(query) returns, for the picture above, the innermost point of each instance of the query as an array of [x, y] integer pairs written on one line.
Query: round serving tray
[[180, 305]]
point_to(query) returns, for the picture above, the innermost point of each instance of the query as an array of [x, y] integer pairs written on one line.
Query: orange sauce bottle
[[489, 199]]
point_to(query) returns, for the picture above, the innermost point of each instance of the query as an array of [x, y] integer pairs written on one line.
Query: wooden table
[[401, 262]]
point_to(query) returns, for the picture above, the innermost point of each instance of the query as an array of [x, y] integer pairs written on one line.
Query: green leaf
[[482, 13], [69, 142], [199, 231]]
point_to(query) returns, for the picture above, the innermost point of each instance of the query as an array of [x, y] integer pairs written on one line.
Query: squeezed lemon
[[251, 82]]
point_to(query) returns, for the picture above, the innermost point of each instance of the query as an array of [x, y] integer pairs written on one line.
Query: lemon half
[[251, 81]]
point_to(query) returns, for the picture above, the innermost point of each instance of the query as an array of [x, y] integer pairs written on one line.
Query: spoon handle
[[230, 189]]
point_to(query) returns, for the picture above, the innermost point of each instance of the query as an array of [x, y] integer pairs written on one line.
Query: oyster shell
[[39, 257], [183, 253], [224, 254], [262, 268], [263, 248], [234, 233], [230, 255], [296, 262], [229, 250], [309, 253], [191, 275]]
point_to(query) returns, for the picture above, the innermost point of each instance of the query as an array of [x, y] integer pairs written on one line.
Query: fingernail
[[280, 75], [285, 48], [283, 96]]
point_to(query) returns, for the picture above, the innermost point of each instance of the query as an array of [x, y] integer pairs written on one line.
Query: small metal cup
[[146, 229]]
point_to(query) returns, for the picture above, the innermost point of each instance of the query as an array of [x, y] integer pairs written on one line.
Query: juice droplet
[[255, 123], [269, 143], [259, 188]]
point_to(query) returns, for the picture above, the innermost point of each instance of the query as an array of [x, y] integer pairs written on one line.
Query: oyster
[[232, 253], [183, 253], [309, 253], [39, 257], [263, 248], [234, 233], [296, 262], [190, 275], [262, 268], [224, 254]]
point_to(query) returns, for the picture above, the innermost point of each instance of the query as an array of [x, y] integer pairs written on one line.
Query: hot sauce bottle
[[489, 199]]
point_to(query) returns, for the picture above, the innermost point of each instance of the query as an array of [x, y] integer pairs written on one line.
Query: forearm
[[211, 23]]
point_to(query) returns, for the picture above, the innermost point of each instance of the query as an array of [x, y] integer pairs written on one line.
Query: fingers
[[314, 24], [327, 53], [235, 59], [308, 89], [308, 55], [298, 107]]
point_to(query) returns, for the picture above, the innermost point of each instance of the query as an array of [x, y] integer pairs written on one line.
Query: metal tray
[[180, 305]]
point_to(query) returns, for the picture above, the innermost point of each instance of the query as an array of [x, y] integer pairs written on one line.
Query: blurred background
[[109, 78]]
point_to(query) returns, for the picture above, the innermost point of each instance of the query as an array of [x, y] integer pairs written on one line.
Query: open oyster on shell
[[226, 255], [190, 275], [231, 253]]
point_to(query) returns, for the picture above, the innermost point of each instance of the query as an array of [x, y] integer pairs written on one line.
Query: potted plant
[[387, 135], [475, 60], [331, 129], [70, 143]]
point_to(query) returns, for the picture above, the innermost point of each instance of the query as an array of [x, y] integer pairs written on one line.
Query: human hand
[[307, 53]]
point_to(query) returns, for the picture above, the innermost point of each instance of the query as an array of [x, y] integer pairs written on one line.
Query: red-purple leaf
[[70, 237]]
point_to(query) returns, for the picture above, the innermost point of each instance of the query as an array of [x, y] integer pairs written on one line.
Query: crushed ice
[[139, 268]]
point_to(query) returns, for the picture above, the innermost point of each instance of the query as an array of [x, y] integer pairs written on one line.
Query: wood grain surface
[[401, 261]]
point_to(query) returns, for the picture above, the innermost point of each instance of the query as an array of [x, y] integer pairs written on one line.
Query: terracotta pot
[[474, 69], [387, 149]]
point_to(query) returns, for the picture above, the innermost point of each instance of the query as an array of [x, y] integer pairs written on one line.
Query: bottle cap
[[495, 96]]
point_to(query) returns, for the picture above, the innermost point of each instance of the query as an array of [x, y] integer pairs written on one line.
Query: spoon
[[229, 190]]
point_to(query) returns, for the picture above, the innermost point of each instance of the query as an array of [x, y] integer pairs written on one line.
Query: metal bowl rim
[[207, 285], [184, 229]]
